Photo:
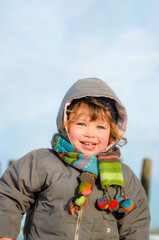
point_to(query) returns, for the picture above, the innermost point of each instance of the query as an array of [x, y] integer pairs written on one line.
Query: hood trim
[[96, 88]]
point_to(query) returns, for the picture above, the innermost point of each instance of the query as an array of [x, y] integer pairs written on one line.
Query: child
[[79, 189]]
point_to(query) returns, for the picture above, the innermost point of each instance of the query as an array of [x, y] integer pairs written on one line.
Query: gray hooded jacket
[[42, 185]]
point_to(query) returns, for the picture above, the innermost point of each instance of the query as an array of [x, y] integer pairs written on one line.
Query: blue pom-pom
[[127, 204], [119, 198]]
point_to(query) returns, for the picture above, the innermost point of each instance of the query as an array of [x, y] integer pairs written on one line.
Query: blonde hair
[[96, 110]]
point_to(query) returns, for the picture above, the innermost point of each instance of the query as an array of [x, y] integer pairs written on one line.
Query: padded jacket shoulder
[[42, 185]]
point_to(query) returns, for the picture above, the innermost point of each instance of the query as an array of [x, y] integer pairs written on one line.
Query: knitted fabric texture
[[106, 166], [110, 169]]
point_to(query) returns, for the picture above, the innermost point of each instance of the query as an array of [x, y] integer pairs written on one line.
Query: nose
[[90, 132]]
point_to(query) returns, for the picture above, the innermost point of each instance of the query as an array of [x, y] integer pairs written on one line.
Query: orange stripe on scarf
[[85, 160], [108, 157]]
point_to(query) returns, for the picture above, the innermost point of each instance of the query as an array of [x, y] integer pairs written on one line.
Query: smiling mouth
[[88, 143]]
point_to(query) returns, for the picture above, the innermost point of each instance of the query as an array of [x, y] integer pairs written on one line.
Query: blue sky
[[45, 46]]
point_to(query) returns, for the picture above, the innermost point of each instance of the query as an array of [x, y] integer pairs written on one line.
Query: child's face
[[90, 137]]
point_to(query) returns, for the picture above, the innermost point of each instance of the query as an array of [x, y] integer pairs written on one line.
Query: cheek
[[72, 134], [104, 138]]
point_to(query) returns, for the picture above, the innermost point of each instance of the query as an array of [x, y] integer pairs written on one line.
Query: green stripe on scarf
[[110, 174], [107, 165]]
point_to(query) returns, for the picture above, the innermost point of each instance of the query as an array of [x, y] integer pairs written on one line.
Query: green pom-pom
[[85, 188], [81, 201]]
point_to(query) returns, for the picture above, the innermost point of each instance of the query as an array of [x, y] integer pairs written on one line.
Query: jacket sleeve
[[18, 186], [134, 225]]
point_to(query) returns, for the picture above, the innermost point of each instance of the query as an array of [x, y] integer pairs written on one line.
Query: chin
[[89, 153]]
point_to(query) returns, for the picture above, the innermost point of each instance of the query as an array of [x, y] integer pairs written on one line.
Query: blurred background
[[45, 46]]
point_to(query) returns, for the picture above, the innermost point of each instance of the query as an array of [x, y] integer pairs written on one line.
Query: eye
[[100, 127], [81, 124]]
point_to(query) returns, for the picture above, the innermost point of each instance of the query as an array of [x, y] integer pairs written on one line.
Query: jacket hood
[[96, 88]]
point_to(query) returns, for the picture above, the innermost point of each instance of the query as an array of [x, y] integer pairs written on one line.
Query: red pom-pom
[[102, 203], [113, 205]]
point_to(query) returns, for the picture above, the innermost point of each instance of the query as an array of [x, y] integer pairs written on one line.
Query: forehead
[[84, 111], [83, 107]]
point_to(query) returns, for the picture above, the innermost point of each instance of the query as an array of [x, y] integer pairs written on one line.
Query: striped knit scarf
[[106, 166]]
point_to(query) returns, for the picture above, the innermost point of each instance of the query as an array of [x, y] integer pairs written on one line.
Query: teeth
[[89, 144]]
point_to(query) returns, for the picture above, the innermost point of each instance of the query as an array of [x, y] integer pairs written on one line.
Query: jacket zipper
[[78, 224]]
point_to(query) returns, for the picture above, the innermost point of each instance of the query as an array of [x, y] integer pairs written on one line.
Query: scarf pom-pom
[[127, 204], [113, 205], [120, 198], [85, 188], [102, 203], [72, 208], [80, 200]]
